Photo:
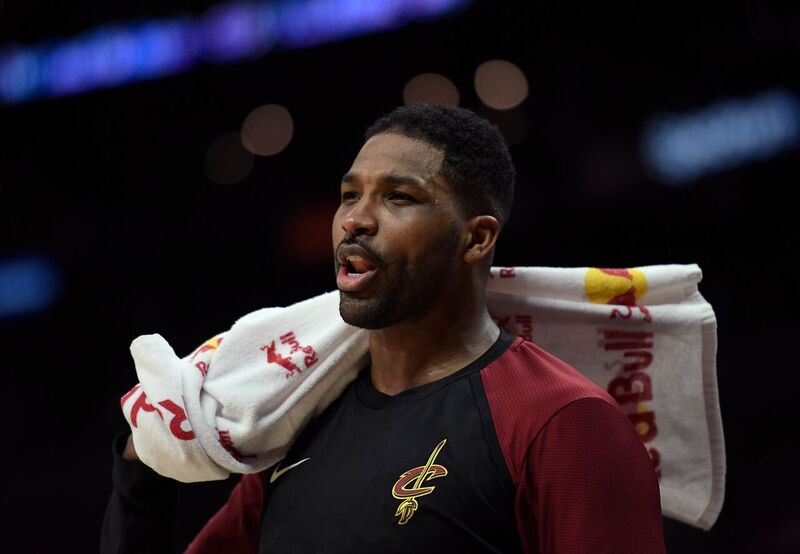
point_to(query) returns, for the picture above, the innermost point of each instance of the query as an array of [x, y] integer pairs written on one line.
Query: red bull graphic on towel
[[520, 324], [227, 443], [178, 423], [503, 273], [614, 286], [622, 287], [632, 349], [308, 354], [210, 345]]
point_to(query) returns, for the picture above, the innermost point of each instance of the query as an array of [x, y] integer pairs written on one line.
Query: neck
[[446, 339]]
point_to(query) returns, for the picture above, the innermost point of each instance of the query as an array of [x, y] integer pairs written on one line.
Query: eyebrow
[[388, 178]]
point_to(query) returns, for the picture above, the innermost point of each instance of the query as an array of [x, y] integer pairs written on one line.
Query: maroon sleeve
[[585, 482], [236, 527], [588, 485]]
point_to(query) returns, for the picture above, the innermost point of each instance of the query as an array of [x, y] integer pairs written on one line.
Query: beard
[[404, 291]]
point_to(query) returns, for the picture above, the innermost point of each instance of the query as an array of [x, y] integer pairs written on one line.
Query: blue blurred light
[[113, 55], [27, 285], [678, 149], [237, 30]]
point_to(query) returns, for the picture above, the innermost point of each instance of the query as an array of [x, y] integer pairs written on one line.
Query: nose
[[360, 220]]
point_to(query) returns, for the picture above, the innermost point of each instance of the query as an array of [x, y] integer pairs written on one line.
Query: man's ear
[[482, 231]]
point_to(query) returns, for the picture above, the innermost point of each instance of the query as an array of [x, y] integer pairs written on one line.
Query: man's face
[[396, 233]]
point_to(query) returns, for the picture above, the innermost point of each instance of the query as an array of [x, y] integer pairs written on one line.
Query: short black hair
[[476, 159]]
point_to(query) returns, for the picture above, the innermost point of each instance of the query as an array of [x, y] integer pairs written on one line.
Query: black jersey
[[404, 473]]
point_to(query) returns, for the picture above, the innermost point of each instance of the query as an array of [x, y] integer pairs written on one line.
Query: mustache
[[373, 254]]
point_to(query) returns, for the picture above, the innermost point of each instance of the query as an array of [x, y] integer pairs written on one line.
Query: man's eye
[[400, 197], [349, 195]]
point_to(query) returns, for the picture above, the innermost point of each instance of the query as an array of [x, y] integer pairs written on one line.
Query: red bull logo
[[621, 287], [410, 485], [614, 286], [210, 345], [308, 354], [632, 386], [503, 272], [521, 325], [176, 423]]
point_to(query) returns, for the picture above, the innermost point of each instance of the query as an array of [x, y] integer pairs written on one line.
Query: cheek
[[431, 246]]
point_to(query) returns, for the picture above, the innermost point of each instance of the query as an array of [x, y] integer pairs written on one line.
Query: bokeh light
[[431, 87], [227, 162], [267, 130], [681, 147], [126, 52], [27, 285], [500, 84]]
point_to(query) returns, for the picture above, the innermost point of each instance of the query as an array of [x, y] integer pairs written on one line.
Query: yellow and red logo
[[410, 485], [614, 286], [209, 346]]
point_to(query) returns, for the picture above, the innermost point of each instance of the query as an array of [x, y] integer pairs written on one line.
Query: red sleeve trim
[[236, 527]]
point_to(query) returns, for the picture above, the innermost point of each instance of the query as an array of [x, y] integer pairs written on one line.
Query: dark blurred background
[[643, 133]]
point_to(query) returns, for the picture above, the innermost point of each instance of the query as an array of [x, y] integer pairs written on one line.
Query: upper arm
[[588, 485], [236, 527]]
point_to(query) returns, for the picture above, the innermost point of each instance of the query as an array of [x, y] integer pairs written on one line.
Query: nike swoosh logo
[[276, 473]]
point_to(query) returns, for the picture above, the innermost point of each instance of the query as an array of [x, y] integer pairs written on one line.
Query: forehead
[[397, 154]]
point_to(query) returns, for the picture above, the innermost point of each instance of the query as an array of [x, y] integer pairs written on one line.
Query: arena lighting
[[431, 87], [27, 285], [500, 84], [267, 130], [679, 148], [121, 53]]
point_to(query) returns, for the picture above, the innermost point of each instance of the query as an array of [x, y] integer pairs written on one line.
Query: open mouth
[[357, 265], [355, 268]]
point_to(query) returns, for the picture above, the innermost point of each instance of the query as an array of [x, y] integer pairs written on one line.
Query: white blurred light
[[431, 87], [678, 148], [226, 161], [267, 130], [500, 84]]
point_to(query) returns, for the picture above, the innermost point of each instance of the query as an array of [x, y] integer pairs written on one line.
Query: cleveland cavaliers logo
[[410, 485]]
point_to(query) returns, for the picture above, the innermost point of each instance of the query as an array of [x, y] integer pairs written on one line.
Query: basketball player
[[458, 437]]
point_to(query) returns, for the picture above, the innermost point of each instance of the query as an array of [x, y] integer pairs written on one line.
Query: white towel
[[645, 335]]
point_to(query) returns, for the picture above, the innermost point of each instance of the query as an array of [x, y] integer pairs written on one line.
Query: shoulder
[[588, 485], [525, 388]]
